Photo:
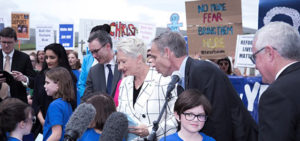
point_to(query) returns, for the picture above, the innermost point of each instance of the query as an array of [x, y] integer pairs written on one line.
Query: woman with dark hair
[[39, 60], [16, 119], [104, 106], [55, 56], [191, 111], [225, 65]]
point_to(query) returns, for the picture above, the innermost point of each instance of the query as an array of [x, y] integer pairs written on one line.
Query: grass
[[29, 46]]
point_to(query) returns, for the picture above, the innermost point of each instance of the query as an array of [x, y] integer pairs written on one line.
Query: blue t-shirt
[[12, 139], [175, 137], [90, 135], [58, 113]]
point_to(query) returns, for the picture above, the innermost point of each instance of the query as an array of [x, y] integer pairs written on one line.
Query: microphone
[[115, 127], [79, 121], [174, 79]]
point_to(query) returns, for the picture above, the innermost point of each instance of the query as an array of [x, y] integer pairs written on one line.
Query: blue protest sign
[[279, 10], [66, 35], [1, 26], [174, 26], [249, 89]]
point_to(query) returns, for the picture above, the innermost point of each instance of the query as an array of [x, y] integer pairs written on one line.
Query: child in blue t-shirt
[[104, 105], [16, 119], [59, 85], [191, 110]]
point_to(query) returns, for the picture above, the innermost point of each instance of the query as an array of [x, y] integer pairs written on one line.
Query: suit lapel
[[145, 93], [14, 61], [1, 60], [129, 93], [116, 79], [187, 72], [102, 78]]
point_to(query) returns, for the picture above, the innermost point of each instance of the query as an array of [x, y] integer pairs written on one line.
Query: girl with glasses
[[16, 119], [191, 110]]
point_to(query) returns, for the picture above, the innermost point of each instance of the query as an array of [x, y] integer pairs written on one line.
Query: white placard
[[243, 51], [44, 36], [119, 29]]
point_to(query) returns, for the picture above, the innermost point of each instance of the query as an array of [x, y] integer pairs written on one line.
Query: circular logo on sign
[[294, 14]]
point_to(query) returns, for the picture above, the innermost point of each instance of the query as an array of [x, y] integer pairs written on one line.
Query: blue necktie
[[109, 80]]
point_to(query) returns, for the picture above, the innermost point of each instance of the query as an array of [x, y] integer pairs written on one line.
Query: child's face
[[188, 123], [50, 87], [29, 122]]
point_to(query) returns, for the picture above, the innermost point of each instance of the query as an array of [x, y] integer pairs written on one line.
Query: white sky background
[[146, 11]]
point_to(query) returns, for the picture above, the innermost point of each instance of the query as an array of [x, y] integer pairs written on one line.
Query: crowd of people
[[40, 91]]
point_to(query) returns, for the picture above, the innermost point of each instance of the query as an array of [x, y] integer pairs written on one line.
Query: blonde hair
[[132, 46]]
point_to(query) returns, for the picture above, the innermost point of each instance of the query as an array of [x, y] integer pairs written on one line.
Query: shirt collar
[[282, 69], [182, 68], [10, 54], [112, 62]]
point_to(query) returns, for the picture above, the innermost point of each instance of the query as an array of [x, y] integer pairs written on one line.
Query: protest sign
[[66, 35], [243, 51], [174, 25], [250, 90], [119, 29], [20, 23], [212, 27], [44, 36], [1, 26], [282, 10]]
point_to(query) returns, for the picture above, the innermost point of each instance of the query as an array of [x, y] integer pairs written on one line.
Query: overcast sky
[[157, 12]]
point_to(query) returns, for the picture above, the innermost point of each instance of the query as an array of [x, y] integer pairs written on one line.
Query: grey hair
[[102, 36], [132, 46], [281, 36], [172, 40]]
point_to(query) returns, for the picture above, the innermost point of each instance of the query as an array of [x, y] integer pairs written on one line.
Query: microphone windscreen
[[176, 73], [80, 120], [115, 127]]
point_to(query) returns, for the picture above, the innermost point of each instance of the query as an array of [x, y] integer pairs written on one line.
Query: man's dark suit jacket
[[96, 81], [20, 62], [230, 120], [279, 107]]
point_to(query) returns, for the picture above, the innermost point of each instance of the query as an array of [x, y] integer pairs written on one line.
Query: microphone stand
[[152, 136]]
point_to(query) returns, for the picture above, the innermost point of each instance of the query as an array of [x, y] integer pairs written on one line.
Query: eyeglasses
[[191, 116], [6, 42], [253, 56], [96, 50]]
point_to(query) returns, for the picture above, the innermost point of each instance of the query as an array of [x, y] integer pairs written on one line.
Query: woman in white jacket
[[142, 91]]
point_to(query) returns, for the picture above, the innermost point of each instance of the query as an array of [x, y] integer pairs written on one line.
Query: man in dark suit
[[18, 64], [229, 121], [276, 53], [104, 76]]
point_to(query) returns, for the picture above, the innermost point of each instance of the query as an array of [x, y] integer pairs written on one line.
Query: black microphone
[[79, 121], [174, 79], [115, 127]]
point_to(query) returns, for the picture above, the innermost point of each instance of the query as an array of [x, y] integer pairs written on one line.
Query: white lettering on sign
[[257, 89], [63, 29], [66, 44]]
